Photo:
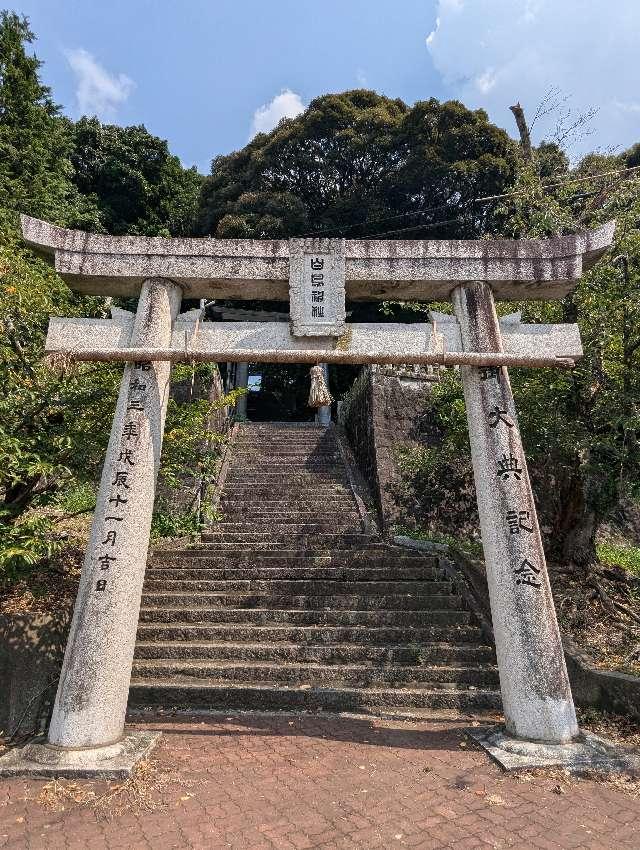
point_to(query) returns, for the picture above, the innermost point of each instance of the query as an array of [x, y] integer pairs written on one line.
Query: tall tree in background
[[581, 428], [53, 428], [360, 163], [35, 141], [137, 185]]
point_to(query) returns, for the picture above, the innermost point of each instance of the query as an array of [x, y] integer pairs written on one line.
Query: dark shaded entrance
[[279, 393]]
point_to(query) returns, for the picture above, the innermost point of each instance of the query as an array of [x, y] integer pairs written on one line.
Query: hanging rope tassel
[[319, 395]]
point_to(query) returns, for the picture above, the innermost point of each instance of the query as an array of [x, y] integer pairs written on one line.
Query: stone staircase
[[288, 604]]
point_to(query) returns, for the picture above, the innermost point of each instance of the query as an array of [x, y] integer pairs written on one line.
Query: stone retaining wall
[[31, 652], [381, 412]]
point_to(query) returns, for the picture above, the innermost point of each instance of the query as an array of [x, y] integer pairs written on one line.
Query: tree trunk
[[18, 496], [576, 523], [525, 138]]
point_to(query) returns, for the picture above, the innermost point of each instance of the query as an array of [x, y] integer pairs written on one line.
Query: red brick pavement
[[286, 782]]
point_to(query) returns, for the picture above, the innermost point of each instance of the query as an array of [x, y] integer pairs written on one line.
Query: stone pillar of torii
[[317, 276]]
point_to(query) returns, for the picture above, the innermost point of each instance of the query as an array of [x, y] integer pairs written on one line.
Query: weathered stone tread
[[287, 604]]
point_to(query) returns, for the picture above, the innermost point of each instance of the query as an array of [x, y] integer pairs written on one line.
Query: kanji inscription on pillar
[[317, 286], [536, 695]]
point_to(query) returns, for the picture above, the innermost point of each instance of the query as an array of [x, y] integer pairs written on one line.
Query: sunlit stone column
[[536, 695], [92, 695], [242, 382], [323, 416]]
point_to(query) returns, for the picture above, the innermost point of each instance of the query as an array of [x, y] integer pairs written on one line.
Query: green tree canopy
[[360, 163], [137, 185], [35, 141], [54, 428]]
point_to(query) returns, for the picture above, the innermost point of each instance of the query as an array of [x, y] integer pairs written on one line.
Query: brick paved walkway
[[293, 782]]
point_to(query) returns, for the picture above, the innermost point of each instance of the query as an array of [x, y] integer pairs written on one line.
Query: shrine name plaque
[[317, 287]]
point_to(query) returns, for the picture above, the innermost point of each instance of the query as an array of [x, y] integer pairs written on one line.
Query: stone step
[[292, 485], [298, 477], [273, 462], [251, 525], [219, 530], [313, 487], [327, 495], [312, 484], [263, 522], [281, 501], [277, 459], [227, 695], [342, 523], [303, 617], [201, 579], [292, 514], [375, 547], [290, 477], [288, 432], [310, 465], [212, 558], [289, 429], [251, 521], [314, 674], [237, 547], [154, 598], [282, 531], [320, 587], [276, 537], [321, 635], [432, 653], [301, 448], [315, 483], [304, 546], [283, 436]]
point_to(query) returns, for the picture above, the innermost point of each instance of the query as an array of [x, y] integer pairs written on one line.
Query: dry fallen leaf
[[494, 800]]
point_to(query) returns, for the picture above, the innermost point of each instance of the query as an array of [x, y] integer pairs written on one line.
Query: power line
[[414, 227], [472, 201]]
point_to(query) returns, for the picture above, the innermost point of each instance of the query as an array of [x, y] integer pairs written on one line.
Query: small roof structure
[[376, 269]]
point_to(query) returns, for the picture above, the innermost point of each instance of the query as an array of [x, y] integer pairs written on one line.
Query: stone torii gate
[[86, 734]]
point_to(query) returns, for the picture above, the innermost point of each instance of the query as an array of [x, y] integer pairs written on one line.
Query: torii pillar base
[[587, 752], [38, 759]]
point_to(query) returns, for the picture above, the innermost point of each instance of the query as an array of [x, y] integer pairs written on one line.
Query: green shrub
[[470, 547], [627, 557], [182, 524], [24, 544]]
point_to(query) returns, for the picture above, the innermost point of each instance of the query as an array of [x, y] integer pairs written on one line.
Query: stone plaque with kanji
[[317, 286]]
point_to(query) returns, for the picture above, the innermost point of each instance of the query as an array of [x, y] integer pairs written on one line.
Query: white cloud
[[98, 92], [287, 104], [485, 82], [626, 107], [492, 53]]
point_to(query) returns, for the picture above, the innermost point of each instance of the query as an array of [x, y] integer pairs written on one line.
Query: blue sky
[[205, 74]]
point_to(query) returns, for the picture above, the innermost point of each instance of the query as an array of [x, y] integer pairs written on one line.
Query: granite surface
[[382, 269], [93, 690], [536, 694]]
